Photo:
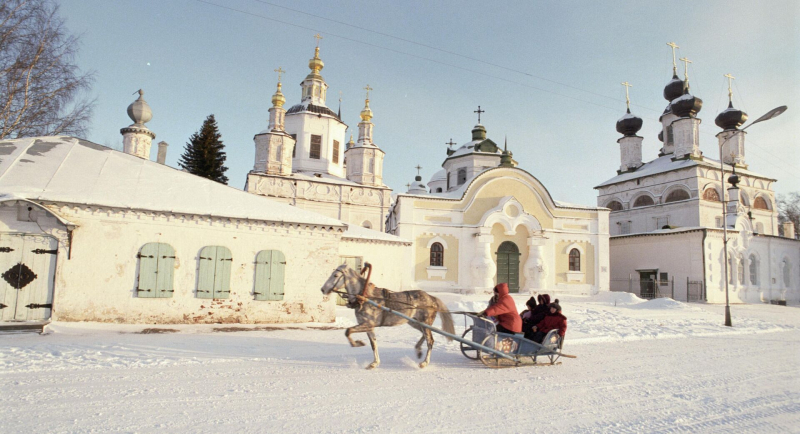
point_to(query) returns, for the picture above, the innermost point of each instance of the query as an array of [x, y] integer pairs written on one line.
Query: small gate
[[27, 268], [695, 290]]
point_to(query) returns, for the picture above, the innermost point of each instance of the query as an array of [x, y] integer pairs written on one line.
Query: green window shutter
[[222, 273], [166, 267], [263, 260], [148, 271], [277, 273], [205, 274]]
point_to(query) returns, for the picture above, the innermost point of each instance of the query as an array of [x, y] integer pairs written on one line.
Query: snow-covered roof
[[665, 163], [354, 232], [70, 170], [440, 175], [469, 148]]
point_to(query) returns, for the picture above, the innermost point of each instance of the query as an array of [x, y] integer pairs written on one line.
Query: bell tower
[[274, 146], [364, 158]]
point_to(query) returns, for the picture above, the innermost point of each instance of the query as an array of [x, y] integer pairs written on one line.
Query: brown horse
[[415, 304]]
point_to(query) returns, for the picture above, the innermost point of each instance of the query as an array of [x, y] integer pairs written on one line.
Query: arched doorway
[[508, 265]]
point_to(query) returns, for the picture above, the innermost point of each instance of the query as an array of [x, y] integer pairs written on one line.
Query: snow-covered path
[[87, 377]]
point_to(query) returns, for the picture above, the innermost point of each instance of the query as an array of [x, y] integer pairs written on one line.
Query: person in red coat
[[554, 320], [505, 310]]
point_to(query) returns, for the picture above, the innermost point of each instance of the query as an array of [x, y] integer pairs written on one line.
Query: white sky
[[554, 89]]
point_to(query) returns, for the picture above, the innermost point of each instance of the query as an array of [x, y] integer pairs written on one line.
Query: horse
[[416, 304]]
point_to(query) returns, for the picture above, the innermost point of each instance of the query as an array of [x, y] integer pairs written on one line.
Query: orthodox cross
[[317, 37], [627, 96], [674, 65], [279, 71], [418, 169], [479, 111], [408, 186], [686, 63], [367, 88], [730, 92], [450, 143]]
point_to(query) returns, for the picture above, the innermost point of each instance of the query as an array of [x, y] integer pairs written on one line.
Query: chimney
[[162, 152], [788, 230]]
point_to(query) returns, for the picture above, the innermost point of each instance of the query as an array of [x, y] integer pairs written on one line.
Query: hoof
[[373, 365], [423, 365], [358, 343], [419, 354]]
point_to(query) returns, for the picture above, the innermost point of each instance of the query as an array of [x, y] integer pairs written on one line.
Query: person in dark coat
[[554, 320], [526, 314], [505, 310], [537, 315]]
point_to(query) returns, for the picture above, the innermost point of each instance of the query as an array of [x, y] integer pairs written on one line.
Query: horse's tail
[[447, 319]]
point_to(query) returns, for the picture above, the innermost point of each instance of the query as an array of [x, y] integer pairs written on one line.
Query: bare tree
[[40, 84], [789, 211]]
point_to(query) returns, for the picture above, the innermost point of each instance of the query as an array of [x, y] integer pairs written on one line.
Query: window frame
[[335, 156], [315, 148], [436, 258], [574, 260]]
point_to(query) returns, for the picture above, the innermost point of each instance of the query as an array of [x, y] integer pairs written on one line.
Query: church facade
[[482, 221], [667, 226]]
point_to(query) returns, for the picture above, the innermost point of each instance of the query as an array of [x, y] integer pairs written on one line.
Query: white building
[[302, 158], [88, 233], [666, 214], [485, 221]]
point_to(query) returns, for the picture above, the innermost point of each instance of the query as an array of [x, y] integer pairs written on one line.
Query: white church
[[666, 223]]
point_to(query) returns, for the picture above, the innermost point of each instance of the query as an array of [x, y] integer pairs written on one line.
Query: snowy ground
[[657, 366]]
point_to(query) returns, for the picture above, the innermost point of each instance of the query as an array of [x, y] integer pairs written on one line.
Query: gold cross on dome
[[318, 37], [730, 92], [367, 88], [479, 111], [686, 63], [279, 71], [450, 143], [627, 96], [418, 168], [674, 65]]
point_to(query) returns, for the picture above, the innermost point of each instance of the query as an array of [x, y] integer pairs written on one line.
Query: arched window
[[439, 190], [644, 200], [760, 203], [462, 176], [740, 270], [614, 205], [156, 266], [711, 195], [437, 255], [574, 260], [676, 195], [753, 270]]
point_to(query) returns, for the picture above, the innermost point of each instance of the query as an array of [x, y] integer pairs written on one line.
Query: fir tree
[[204, 154]]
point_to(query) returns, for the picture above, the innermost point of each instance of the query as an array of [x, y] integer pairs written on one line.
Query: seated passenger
[[537, 315], [554, 320], [505, 310], [526, 314]]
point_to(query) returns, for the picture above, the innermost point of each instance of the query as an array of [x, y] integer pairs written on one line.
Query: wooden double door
[[508, 265], [27, 267]]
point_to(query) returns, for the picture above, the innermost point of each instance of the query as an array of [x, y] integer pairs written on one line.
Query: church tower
[[364, 158], [686, 129], [471, 158], [630, 145], [136, 138], [731, 139], [318, 130], [672, 90], [274, 146]]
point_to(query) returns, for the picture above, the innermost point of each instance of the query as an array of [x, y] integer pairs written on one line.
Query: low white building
[[485, 221], [666, 219]]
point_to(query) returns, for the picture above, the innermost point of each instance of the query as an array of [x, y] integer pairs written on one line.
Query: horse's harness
[[358, 302]]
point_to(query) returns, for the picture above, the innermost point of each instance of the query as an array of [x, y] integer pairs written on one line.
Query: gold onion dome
[[278, 99], [316, 63], [366, 114]]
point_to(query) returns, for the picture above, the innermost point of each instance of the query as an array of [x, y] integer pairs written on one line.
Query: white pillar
[[534, 268], [483, 266]]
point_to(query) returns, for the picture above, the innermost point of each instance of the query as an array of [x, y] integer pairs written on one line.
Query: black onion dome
[[686, 106], [629, 124], [733, 180], [673, 89], [730, 118], [661, 136]]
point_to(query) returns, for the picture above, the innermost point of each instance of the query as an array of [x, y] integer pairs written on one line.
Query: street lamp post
[[769, 115]]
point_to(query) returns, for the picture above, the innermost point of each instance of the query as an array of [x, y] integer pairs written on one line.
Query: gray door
[[647, 284], [508, 265], [27, 267]]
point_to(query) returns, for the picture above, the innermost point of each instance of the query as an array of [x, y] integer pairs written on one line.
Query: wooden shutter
[[335, 152], [165, 269], [270, 275], [214, 272], [222, 274], [148, 271], [316, 146]]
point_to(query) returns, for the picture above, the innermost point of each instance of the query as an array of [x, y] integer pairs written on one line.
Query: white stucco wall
[[391, 262]]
